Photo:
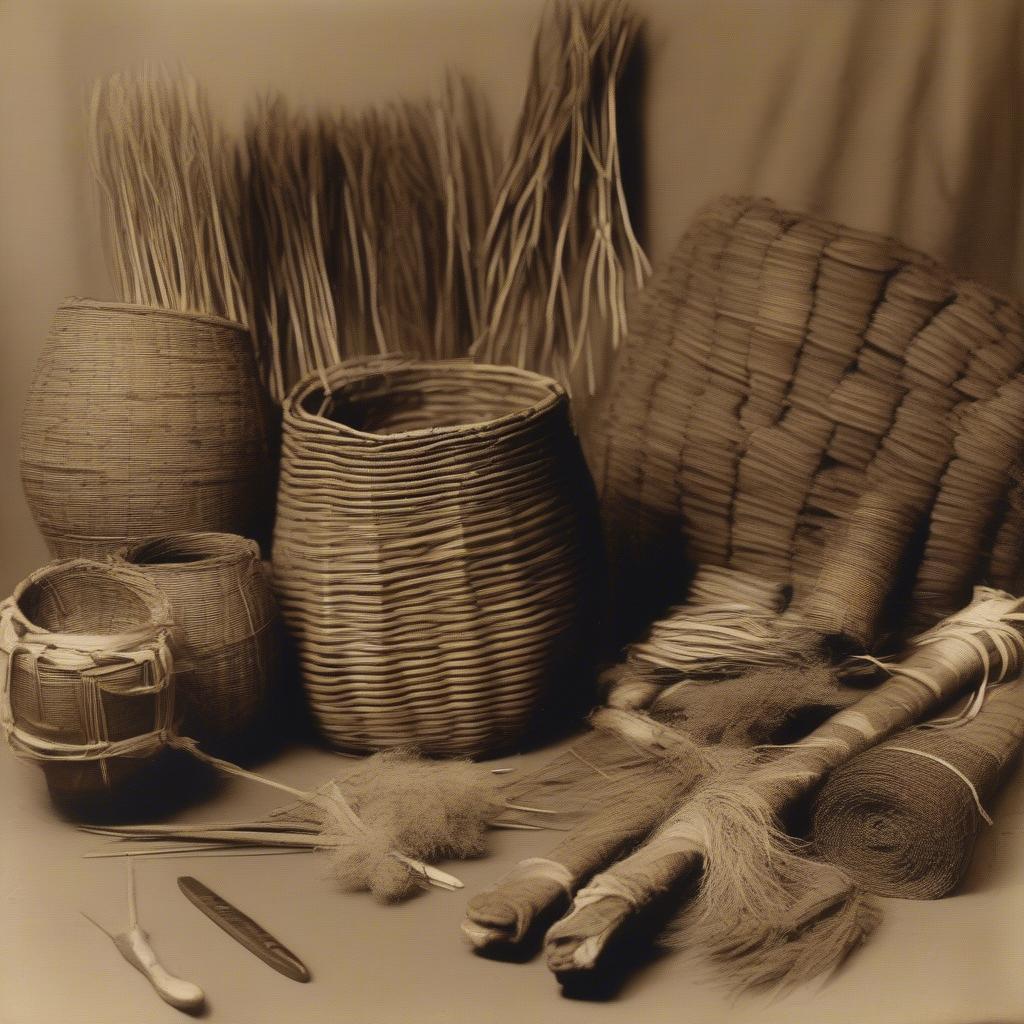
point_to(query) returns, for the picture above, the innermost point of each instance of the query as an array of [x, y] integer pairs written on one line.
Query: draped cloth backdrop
[[896, 117]]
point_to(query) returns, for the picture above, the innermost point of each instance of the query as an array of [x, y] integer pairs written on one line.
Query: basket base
[[139, 789]]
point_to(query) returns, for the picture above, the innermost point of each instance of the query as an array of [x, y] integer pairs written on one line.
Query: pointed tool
[[134, 946], [244, 929]]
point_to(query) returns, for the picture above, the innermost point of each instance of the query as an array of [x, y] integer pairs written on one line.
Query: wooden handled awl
[[134, 946], [244, 929]]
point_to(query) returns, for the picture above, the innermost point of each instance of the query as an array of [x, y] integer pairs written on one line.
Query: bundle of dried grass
[[767, 913], [903, 818], [166, 197], [635, 768], [560, 247], [361, 231], [380, 825]]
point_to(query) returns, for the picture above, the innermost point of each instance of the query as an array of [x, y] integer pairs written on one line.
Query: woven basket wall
[[85, 668], [228, 656], [141, 422], [436, 553], [821, 407]]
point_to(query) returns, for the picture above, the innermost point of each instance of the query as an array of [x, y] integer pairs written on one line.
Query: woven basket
[[85, 667], [436, 553], [140, 422], [228, 654], [820, 407]]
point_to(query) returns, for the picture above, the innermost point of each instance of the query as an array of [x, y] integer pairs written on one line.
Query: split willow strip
[[167, 202], [560, 247]]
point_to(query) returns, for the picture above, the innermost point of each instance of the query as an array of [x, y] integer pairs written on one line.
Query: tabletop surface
[[953, 961]]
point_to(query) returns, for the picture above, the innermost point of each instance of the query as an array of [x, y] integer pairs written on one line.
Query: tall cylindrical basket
[[436, 553], [142, 421]]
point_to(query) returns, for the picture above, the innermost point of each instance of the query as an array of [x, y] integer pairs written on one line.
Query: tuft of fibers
[[426, 810], [766, 915], [754, 707]]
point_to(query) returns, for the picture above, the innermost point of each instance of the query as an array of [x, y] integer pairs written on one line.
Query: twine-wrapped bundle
[[766, 913], [902, 818], [85, 671], [819, 407], [436, 553], [141, 422], [228, 658]]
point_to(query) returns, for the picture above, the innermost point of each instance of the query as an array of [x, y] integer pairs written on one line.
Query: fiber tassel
[[397, 812], [765, 912]]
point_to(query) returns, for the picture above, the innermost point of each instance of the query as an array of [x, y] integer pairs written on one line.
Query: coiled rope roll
[[903, 818]]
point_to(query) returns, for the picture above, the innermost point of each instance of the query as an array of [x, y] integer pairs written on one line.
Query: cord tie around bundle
[[19, 637], [603, 886], [541, 867], [985, 817]]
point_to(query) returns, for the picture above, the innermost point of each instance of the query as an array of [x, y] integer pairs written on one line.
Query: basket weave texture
[[85, 667], [140, 422], [820, 407], [436, 552], [227, 656]]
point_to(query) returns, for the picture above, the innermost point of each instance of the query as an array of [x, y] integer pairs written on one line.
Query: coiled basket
[[140, 422], [227, 660], [85, 671], [436, 553]]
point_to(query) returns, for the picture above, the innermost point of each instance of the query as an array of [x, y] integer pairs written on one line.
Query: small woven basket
[[436, 553], [228, 653], [85, 671], [141, 422]]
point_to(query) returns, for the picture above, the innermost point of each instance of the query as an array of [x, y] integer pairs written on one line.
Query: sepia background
[[904, 117], [900, 117]]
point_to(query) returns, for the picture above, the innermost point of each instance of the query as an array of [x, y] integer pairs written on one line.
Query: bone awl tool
[[244, 929]]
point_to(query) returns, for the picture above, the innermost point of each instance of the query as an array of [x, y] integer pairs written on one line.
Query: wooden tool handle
[[135, 948]]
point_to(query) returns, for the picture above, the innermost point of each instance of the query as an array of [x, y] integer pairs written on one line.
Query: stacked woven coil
[[820, 407], [436, 552], [85, 666], [903, 817], [227, 659], [142, 421]]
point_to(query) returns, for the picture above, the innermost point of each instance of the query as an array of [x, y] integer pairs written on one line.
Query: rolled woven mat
[[902, 818]]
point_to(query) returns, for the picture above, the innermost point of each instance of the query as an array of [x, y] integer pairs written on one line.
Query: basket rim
[[114, 306], [550, 395], [158, 605], [235, 547]]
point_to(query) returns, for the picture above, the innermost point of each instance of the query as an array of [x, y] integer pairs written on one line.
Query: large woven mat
[[820, 407]]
